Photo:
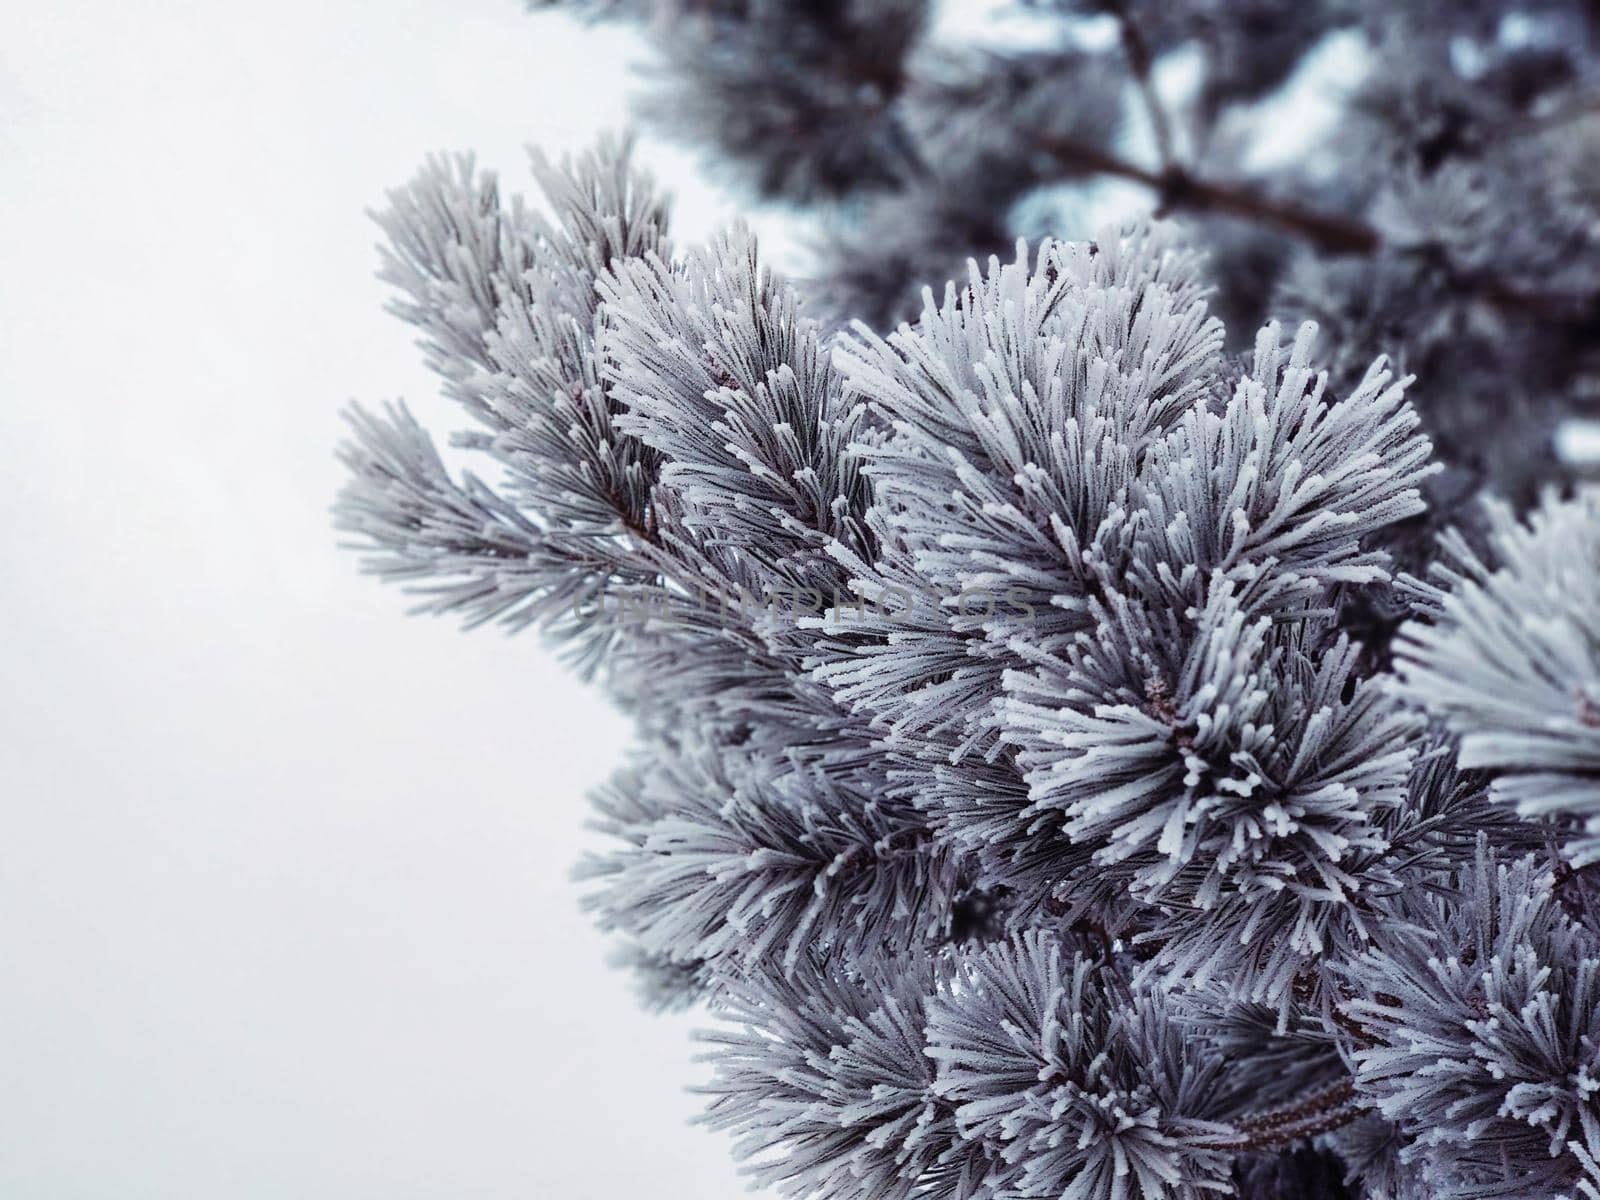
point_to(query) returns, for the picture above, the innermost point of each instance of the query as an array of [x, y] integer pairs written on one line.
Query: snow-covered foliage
[[1055, 771], [1440, 206]]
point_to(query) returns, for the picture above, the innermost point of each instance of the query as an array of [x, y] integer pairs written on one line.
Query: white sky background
[[284, 898]]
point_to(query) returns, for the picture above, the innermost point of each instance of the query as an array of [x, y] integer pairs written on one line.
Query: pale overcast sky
[[284, 878]]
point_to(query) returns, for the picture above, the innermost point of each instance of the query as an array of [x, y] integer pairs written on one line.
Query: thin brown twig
[[1177, 188], [1323, 1111], [1137, 52], [1310, 1107]]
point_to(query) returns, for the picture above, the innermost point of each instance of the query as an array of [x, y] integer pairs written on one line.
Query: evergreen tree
[[1056, 770]]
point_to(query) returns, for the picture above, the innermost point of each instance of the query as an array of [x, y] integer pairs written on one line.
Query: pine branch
[[1179, 190]]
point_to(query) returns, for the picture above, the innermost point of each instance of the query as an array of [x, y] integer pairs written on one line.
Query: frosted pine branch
[[1024, 784]]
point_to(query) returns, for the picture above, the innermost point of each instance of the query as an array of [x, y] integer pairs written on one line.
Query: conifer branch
[[1178, 190]]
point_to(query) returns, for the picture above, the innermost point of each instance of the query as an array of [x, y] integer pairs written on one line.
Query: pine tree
[[1055, 773]]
